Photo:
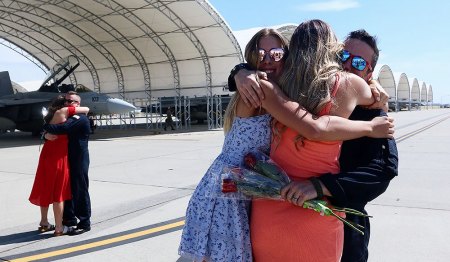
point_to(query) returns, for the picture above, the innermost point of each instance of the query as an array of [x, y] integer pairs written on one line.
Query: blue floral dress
[[217, 226]]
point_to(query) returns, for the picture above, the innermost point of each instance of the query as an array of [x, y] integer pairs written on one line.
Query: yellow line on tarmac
[[99, 243]]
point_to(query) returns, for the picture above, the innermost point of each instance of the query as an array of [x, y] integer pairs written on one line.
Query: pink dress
[[281, 231]]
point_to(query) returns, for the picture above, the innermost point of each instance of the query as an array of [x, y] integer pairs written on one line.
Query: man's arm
[[364, 183], [367, 167], [231, 82], [71, 124], [360, 184], [244, 79]]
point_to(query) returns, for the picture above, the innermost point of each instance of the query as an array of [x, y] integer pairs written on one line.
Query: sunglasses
[[70, 101], [358, 62], [276, 54]]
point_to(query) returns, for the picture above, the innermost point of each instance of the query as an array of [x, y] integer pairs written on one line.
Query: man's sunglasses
[[276, 54], [70, 101], [358, 62]]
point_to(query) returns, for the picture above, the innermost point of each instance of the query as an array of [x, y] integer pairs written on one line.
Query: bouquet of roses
[[263, 178]]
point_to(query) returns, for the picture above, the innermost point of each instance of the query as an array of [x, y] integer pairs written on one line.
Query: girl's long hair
[[313, 61], [56, 104], [309, 71], [252, 57]]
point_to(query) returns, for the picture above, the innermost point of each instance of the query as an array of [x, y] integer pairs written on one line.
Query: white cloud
[[333, 5]]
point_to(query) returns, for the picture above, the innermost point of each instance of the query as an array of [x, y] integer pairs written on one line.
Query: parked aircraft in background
[[23, 111]]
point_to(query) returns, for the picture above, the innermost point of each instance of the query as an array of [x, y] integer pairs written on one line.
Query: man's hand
[[248, 87], [50, 137], [382, 127], [297, 192], [380, 95]]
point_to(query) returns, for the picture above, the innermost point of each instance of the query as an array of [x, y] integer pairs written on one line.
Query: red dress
[[52, 181]]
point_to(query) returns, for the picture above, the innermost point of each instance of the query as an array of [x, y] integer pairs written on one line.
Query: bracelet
[[317, 187]]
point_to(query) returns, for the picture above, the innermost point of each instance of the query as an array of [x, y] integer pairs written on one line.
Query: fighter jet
[[23, 111]]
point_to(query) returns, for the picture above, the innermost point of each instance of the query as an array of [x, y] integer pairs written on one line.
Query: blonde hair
[[252, 57], [310, 70], [311, 65], [230, 112]]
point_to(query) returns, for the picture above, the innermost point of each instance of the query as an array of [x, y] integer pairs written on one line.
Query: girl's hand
[[380, 95], [382, 127], [50, 137]]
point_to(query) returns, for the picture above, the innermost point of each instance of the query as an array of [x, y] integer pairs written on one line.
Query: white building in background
[[406, 93]]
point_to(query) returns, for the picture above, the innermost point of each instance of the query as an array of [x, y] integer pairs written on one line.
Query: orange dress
[[281, 231], [52, 180]]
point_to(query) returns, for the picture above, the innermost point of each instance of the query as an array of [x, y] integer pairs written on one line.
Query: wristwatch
[[317, 186], [231, 82]]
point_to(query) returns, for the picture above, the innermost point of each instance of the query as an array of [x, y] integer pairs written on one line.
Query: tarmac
[[141, 182]]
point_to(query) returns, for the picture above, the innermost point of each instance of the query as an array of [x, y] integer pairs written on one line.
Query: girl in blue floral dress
[[217, 226]]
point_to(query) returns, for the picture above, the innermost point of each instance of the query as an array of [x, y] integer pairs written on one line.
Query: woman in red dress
[[52, 183]]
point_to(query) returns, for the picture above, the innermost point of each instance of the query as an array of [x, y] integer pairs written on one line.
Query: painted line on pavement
[[136, 234], [420, 130], [101, 243]]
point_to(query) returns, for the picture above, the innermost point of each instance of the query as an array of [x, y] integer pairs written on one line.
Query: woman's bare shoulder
[[59, 116]]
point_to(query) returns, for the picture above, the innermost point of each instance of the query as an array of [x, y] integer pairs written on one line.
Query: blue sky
[[414, 36]]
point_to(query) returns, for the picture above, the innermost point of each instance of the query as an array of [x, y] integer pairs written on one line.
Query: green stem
[[350, 211], [340, 218]]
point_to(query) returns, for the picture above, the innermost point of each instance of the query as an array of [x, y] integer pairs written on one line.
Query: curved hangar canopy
[[127, 48]]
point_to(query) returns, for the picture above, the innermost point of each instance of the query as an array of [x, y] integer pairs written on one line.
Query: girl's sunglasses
[[358, 62], [276, 54]]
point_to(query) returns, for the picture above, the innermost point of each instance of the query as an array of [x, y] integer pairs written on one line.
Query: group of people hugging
[[298, 101]]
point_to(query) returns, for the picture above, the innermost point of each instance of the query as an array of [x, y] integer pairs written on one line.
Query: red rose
[[228, 185], [250, 160]]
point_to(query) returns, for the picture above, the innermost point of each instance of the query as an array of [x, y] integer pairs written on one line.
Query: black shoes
[[78, 231], [69, 223]]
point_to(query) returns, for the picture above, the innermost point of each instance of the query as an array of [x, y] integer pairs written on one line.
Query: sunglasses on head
[[358, 62], [276, 54]]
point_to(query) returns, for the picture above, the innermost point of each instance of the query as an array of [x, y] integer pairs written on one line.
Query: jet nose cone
[[118, 106]]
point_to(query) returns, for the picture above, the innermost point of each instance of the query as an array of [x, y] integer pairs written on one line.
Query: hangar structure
[[136, 50], [404, 93]]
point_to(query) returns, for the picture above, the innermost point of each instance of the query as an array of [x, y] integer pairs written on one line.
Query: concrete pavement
[[142, 182]]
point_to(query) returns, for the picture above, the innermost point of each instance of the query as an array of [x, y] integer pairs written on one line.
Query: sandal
[[66, 230], [46, 228]]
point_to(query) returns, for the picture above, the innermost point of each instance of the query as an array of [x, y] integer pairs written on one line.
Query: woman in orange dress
[[52, 182], [313, 76]]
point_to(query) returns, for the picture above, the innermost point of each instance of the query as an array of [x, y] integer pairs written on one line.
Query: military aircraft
[[23, 110]]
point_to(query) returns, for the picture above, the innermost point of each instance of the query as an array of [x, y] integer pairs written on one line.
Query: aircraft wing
[[26, 101]]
